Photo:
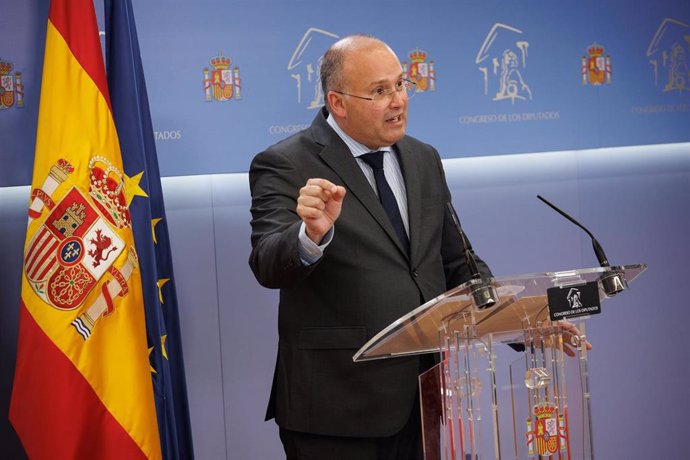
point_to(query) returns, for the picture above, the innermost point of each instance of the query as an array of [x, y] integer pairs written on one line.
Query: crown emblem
[[595, 50], [417, 55], [106, 188], [5, 68], [221, 62], [544, 411], [64, 166], [60, 170]]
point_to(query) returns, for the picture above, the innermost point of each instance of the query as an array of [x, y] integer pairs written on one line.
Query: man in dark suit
[[346, 264]]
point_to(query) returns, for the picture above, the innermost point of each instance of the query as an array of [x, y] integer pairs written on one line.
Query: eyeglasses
[[382, 96]]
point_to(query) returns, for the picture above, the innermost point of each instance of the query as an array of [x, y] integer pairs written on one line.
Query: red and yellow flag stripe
[[77, 398]]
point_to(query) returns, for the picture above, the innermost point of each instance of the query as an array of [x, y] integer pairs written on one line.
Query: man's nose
[[397, 98]]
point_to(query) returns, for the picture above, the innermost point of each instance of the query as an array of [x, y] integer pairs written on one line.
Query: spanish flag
[[82, 384]]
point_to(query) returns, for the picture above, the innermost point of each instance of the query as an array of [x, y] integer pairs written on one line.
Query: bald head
[[333, 65]]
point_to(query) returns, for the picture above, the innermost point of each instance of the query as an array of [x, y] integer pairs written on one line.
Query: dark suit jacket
[[363, 282]]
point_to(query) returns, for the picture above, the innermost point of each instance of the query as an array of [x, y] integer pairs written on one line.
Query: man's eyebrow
[[383, 80]]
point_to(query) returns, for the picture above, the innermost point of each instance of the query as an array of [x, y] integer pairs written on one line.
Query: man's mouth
[[395, 119]]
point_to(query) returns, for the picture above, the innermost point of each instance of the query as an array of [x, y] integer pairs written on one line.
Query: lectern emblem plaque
[[546, 431]]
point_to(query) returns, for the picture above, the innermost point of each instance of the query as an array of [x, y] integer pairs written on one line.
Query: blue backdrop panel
[[227, 79]]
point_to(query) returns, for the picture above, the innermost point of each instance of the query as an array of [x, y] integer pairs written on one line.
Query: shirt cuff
[[310, 252]]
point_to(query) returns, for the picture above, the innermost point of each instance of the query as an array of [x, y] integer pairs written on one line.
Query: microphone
[[484, 294], [612, 281]]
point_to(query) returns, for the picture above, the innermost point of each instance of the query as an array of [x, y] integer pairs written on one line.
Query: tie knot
[[373, 159]]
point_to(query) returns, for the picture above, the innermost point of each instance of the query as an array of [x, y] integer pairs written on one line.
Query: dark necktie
[[386, 196]]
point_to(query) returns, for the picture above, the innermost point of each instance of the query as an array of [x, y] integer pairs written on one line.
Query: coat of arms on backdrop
[[11, 87], [421, 72], [222, 83], [596, 68]]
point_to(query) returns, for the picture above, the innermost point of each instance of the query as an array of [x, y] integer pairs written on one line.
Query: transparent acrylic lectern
[[484, 400]]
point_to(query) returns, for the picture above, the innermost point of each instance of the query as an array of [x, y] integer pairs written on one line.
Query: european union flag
[[133, 121]]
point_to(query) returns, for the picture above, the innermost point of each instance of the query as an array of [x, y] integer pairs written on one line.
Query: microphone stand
[[613, 280], [484, 295]]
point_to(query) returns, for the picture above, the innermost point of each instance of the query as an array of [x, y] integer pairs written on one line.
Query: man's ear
[[335, 104]]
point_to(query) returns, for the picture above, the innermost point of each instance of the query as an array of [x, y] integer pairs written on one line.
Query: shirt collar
[[355, 147]]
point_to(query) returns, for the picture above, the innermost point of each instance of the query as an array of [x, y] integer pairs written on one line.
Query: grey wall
[[634, 199]]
